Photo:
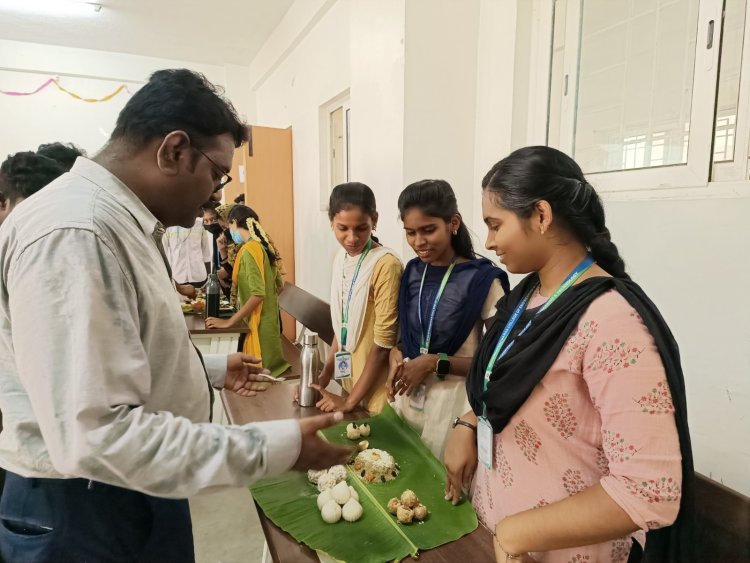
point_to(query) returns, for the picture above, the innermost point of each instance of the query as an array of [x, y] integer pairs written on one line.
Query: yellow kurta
[[380, 327]]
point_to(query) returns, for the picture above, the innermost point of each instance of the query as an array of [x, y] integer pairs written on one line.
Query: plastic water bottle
[[310, 362]]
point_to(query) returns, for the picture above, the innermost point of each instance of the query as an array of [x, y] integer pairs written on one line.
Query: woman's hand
[[221, 244], [460, 462], [414, 372], [214, 322], [396, 363], [330, 401], [323, 381]]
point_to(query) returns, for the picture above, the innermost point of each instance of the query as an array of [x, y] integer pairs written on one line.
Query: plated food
[[407, 509], [375, 466], [339, 500], [356, 431]]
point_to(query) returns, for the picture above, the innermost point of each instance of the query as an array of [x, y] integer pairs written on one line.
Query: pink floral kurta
[[603, 414]]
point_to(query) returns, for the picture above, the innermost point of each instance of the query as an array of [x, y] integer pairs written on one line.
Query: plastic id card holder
[[485, 442], [342, 368], [418, 397]]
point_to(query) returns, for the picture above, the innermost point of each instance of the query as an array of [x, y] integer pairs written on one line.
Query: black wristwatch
[[462, 422], [443, 366]]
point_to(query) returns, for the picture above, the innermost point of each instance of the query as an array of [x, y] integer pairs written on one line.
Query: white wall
[[690, 256], [440, 97], [320, 50], [52, 115]]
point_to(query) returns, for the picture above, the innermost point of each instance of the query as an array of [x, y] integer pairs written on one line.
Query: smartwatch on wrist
[[443, 366]]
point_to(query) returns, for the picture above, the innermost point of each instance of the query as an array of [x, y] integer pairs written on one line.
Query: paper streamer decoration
[[56, 82]]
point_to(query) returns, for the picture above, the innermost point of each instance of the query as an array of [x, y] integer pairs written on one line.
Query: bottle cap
[[311, 338]]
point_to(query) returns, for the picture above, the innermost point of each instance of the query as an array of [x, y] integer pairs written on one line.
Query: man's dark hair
[[25, 173], [64, 153], [178, 100], [240, 199]]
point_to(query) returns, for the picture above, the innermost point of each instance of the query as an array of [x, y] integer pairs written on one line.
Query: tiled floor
[[226, 527]]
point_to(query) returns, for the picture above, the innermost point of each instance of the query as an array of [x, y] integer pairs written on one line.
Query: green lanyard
[[424, 340], [345, 306]]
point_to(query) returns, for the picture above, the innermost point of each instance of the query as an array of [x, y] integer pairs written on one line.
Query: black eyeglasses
[[224, 179]]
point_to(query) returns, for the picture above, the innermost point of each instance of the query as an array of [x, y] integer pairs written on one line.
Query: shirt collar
[[117, 189]]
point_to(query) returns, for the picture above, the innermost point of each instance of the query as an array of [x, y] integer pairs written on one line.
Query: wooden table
[[213, 340], [276, 403]]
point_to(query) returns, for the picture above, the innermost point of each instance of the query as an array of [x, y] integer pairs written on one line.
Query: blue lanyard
[[519, 310], [345, 307], [424, 341]]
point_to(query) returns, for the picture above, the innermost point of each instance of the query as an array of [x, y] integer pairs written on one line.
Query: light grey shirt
[[98, 377]]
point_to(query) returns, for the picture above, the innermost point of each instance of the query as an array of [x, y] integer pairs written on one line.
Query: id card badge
[[342, 366], [485, 441], [418, 397]]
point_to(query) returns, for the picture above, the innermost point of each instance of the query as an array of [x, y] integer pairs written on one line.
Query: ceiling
[[215, 32]]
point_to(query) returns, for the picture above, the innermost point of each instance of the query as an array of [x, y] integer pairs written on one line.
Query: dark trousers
[[61, 520]]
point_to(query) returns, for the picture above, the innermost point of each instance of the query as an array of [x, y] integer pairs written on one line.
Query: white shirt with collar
[[188, 252], [98, 377]]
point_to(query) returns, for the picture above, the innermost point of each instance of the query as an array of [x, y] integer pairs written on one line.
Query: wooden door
[[266, 180]]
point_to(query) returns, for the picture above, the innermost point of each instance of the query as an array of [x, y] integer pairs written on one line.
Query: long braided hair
[[531, 174]]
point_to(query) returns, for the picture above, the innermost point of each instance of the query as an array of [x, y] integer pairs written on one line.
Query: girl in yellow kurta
[[364, 304], [257, 280]]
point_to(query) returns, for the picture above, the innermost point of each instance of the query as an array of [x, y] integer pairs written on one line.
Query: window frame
[[695, 173]]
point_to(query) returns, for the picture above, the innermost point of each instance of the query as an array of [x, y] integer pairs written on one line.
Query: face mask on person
[[236, 237], [214, 229]]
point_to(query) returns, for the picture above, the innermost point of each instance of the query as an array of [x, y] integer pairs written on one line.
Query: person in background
[[578, 415], [258, 280], [240, 199], [189, 252], [364, 304], [227, 252], [211, 224], [447, 294], [64, 153], [105, 400], [22, 175]]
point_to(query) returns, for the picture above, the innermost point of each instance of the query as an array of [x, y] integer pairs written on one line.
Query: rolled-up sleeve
[[81, 361], [628, 385], [386, 279]]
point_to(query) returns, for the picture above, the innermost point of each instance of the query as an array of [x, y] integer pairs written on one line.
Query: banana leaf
[[290, 501]]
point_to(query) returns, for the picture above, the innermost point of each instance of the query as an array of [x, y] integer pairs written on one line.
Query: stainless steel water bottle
[[310, 362]]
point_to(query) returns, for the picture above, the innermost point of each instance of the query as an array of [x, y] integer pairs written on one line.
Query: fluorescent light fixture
[[71, 8]]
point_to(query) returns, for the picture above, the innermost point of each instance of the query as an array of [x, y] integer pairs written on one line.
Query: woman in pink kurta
[[578, 417], [602, 414]]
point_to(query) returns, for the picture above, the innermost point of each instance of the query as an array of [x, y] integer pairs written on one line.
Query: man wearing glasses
[[105, 401]]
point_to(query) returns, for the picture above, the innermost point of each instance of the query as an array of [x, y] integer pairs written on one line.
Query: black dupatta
[[527, 362]]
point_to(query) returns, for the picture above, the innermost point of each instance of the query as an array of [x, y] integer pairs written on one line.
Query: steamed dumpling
[[331, 512], [354, 493], [364, 430], [323, 498], [352, 511], [340, 493]]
